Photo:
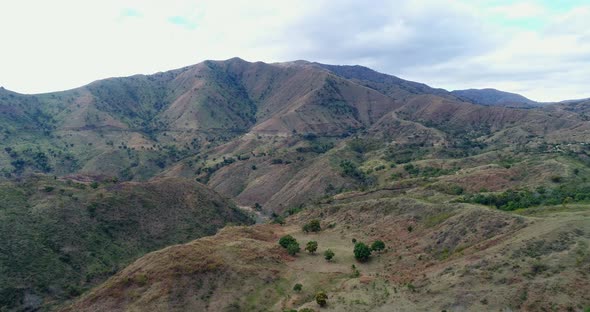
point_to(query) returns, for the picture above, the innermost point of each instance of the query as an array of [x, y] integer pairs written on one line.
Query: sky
[[538, 48]]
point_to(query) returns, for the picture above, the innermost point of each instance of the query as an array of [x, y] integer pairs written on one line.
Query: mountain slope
[[447, 261], [60, 237]]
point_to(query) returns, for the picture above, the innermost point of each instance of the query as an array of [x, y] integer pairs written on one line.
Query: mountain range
[[480, 195]]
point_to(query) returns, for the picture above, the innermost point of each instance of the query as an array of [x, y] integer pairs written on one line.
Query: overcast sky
[[538, 48]]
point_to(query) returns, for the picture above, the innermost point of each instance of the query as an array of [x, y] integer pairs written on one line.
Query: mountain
[[496, 191], [63, 236], [491, 97], [185, 121]]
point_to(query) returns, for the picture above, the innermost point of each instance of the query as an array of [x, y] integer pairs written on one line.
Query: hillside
[[438, 257], [63, 236]]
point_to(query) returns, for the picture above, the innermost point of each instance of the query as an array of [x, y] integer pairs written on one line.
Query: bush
[[312, 226], [378, 245], [287, 240], [297, 287], [321, 298], [307, 310], [311, 246], [328, 254], [362, 252], [293, 248], [355, 272]]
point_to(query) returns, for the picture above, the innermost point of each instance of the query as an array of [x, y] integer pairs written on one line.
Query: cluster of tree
[[316, 147], [362, 252], [290, 243], [350, 169], [364, 145], [401, 154], [28, 157], [517, 199], [292, 246], [312, 226]]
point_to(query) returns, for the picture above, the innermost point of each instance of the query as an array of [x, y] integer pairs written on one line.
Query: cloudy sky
[[539, 48]]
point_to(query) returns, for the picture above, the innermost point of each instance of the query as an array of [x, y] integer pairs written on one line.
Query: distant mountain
[[493, 97]]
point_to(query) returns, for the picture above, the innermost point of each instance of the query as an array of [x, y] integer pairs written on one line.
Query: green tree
[[311, 246], [321, 298], [378, 245], [293, 248], [362, 252], [328, 254], [312, 226], [298, 287], [287, 240]]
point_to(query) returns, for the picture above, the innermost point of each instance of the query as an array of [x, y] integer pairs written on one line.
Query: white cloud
[[60, 44], [518, 10]]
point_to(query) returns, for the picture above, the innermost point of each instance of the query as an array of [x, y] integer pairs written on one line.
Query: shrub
[[307, 310], [311, 246], [321, 298], [278, 220], [378, 245], [362, 252], [297, 287], [293, 248], [312, 226], [328, 254], [355, 272], [287, 240]]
